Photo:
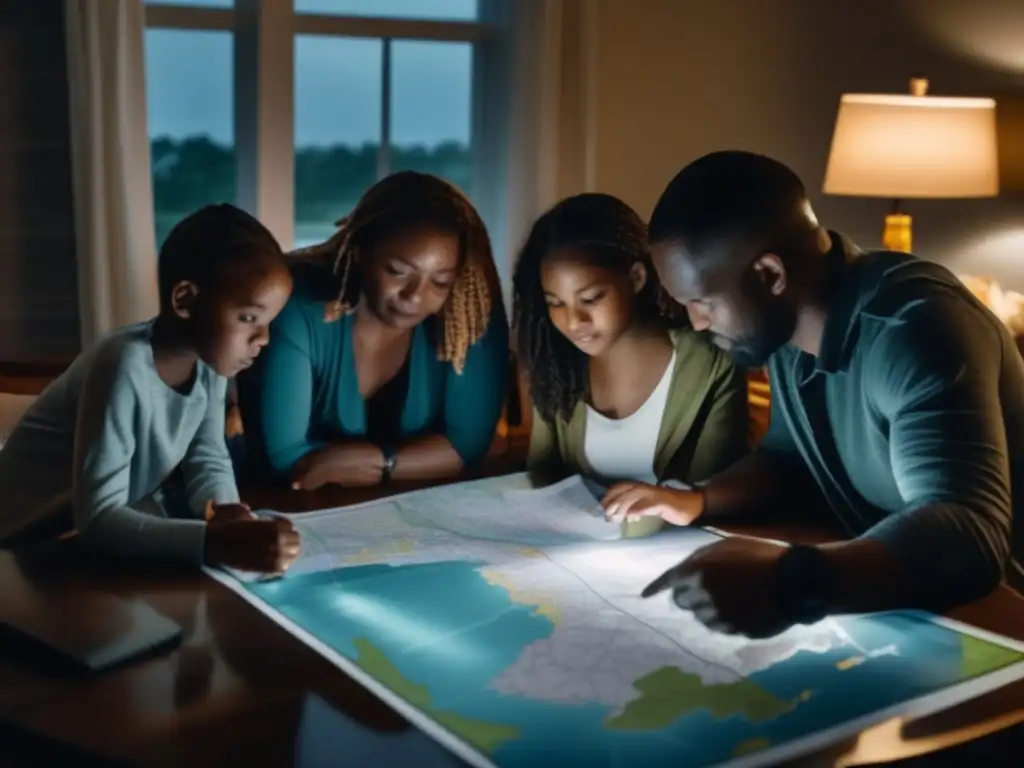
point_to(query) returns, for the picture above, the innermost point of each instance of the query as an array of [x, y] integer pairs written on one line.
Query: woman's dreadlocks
[[614, 237], [399, 203]]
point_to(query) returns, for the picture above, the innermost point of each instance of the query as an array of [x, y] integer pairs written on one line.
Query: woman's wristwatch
[[390, 460]]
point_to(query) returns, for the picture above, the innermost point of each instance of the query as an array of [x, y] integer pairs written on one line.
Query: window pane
[[448, 10], [337, 129], [189, 91], [195, 3], [431, 102]]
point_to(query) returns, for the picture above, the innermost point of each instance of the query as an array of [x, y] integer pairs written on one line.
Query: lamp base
[[897, 235]]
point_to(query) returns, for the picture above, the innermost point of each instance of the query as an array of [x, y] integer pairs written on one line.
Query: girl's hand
[[632, 501], [222, 513], [260, 546]]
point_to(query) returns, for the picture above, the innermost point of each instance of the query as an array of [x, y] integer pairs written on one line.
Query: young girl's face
[[233, 325], [591, 306]]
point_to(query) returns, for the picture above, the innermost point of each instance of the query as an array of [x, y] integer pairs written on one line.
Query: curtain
[[551, 130], [553, 46], [113, 194]]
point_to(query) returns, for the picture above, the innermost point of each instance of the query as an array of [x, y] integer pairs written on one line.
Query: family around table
[[897, 399]]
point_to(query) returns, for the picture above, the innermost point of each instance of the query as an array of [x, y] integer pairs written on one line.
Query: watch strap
[[390, 460], [806, 584]]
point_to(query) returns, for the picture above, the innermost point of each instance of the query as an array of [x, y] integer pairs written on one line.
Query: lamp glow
[[913, 146]]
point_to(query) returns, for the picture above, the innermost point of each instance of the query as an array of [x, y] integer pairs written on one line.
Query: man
[[897, 399]]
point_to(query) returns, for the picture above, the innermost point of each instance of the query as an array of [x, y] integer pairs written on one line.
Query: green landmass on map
[[980, 657], [668, 694], [485, 736]]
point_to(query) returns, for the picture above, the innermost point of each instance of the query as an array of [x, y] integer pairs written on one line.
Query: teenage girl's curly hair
[[399, 203], [615, 237]]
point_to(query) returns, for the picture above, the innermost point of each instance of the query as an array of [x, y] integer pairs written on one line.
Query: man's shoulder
[[922, 318], [900, 287]]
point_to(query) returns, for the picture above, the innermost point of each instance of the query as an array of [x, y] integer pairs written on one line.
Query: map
[[506, 622]]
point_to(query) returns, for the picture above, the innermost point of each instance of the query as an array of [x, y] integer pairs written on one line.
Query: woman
[[390, 359], [623, 388]]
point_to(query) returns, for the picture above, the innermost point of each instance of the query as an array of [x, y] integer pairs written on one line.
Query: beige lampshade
[[913, 147]]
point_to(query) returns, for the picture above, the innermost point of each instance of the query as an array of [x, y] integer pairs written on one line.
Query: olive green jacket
[[703, 429]]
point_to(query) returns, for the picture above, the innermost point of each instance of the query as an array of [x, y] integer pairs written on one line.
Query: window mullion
[[489, 138], [264, 113], [384, 150]]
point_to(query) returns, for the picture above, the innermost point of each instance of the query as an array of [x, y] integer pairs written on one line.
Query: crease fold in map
[[506, 622]]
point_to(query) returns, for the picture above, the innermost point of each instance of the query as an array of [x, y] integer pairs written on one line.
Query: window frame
[[264, 96]]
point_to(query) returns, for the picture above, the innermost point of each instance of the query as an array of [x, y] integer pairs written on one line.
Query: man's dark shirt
[[910, 422]]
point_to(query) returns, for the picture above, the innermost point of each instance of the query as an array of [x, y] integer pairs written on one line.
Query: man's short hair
[[727, 197]]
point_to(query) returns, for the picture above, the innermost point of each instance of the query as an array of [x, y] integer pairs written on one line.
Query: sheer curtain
[[551, 127], [113, 194], [554, 46]]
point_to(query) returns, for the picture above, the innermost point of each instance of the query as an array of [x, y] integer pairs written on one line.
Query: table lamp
[[912, 146]]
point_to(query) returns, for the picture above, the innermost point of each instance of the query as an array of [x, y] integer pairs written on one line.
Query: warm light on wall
[[913, 146]]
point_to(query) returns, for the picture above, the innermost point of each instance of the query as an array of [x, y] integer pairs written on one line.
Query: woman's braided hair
[[614, 237], [399, 203]]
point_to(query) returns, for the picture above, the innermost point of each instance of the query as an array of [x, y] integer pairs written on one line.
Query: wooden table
[[242, 691]]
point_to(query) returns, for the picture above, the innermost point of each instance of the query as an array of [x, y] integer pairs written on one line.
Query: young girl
[[622, 388], [390, 360], [101, 448]]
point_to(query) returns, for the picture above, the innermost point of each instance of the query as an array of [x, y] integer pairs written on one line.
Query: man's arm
[[774, 477], [751, 483], [761, 480], [938, 389]]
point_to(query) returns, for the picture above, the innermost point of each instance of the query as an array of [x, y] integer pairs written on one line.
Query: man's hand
[[353, 465], [261, 546], [731, 586], [631, 501]]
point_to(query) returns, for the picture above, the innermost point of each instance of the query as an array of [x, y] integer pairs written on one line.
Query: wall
[[38, 290], [678, 78]]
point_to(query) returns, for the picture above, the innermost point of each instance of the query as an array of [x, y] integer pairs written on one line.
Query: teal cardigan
[[303, 391]]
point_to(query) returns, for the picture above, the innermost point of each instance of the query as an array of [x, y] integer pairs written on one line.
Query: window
[[448, 10], [358, 89], [195, 3], [344, 138], [337, 129], [431, 105], [191, 121]]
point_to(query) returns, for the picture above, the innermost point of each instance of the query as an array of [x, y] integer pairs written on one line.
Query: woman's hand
[[631, 501], [353, 465]]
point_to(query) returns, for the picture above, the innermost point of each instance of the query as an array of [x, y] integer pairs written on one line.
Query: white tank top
[[623, 449]]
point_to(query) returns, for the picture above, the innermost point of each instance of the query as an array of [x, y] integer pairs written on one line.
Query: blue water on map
[[445, 629]]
